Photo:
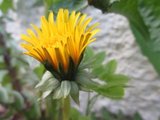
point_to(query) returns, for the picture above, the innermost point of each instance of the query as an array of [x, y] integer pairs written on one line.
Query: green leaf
[[84, 80], [106, 114], [39, 70], [2, 65], [76, 5], [92, 60], [75, 115], [137, 116], [6, 5], [89, 53], [149, 10], [4, 98], [18, 100], [102, 4], [114, 92], [33, 112], [98, 70], [111, 67], [6, 79], [99, 58], [83, 88], [115, 79]]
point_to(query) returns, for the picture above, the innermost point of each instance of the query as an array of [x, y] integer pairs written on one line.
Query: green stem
[[52, 108], [65, 108], [88, 104]]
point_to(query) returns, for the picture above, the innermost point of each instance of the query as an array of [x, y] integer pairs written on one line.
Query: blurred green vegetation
[[18, 97]]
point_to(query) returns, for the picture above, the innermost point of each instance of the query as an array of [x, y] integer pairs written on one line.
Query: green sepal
[[58, 93], [75, 92], [65, 87], [47, 84], [63, 90], [45, 94]]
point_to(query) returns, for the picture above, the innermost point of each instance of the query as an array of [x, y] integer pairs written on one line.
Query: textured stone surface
[[118, 42]]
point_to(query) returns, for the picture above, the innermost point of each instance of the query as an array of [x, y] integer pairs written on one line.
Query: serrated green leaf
[[114, 92], [94, 60], [88, 58], [87, 83], [75, 92], [65, 88], [18, 100], [99, 58], [98, 70], [111, 66], [89, 53], [115, 79]]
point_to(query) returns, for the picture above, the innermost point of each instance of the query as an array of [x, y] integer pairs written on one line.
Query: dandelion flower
[[60, 44]]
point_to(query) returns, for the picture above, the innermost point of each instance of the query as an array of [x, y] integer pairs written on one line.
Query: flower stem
[[88, 105], [66, 108]]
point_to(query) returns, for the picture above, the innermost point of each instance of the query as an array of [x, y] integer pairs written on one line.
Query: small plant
[[61, 46]]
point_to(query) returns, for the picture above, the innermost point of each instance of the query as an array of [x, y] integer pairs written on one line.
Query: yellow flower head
[[59, 44]]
